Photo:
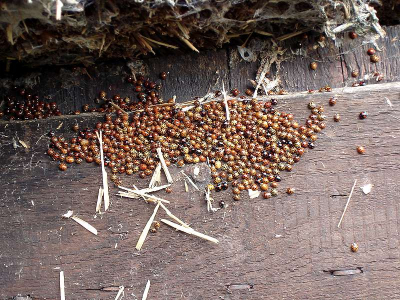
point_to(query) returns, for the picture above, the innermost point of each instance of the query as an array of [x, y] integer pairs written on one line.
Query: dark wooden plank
[[278, 248], [355, 58], [192, 75], [334, 64], [189, 76]]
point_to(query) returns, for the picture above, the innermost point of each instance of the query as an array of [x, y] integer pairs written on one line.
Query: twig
[[99, 197], [147, 228], [146, 290], [62, 286], [164, 166], [347, 204], [173, 216], [190, 231], [104, 173]]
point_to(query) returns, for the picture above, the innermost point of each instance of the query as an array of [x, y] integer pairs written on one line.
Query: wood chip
[[146, 290], [62, 286], [347, 203], [190, 231], [99, 198], [164, 165], [147, 228], [86, 225], [104, 173], [173, 216], [120, 294]]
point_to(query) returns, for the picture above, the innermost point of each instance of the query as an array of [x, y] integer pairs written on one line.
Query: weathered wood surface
[[281, 248]]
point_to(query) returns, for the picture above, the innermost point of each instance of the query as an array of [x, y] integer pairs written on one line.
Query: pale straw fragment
[[86, 225], [147, 228], [164, 166], [62, 286], [347, 203], [140, 193], [173, 216], [99, 197], [146, 290], [104, 173], [156, 178], [191, 181], [228, 115], [120, 294], [190, 231]]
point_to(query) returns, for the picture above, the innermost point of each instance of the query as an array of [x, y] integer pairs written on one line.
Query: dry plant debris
[[71, 32], [86, 225]]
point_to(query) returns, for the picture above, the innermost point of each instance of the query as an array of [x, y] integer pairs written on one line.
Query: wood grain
[[281, 248]]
